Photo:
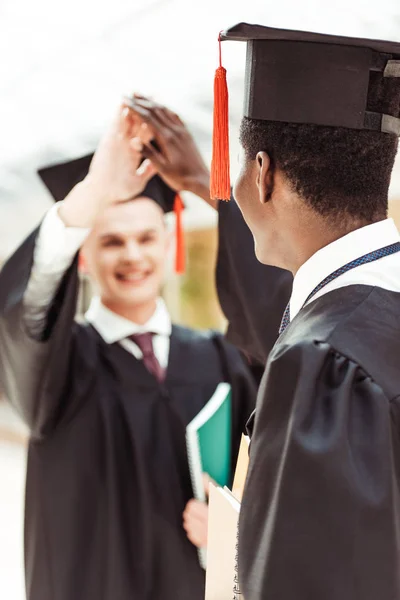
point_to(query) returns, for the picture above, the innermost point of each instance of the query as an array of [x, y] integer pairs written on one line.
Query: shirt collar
[[336, 255], [114, 328]]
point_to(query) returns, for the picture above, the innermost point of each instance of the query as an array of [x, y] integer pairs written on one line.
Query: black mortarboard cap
[[60, 178], [326, 80]]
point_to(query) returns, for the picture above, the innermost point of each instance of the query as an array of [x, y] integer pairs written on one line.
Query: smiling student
[[107, 402]]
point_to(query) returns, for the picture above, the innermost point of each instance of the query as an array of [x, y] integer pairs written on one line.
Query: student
[[320, 512], [107, 402]]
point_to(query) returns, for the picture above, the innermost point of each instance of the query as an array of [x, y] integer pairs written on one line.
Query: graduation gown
[[107, 475], [320, 516], [253, 296]]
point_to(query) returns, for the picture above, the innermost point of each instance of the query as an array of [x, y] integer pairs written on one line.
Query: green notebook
[[208, 440]]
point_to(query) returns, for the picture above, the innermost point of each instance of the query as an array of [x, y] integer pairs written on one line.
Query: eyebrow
[[109, 235], [119, 235]]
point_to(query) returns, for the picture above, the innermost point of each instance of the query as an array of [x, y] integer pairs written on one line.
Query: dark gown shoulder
[[359, 321], [320, 512]]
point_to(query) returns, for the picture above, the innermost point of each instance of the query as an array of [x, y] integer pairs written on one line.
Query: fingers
[[175, 118], [198, 537], [160, 113], [146, 151], [159, 117], [157, 129], [154, 161], [144, 112], [122, 121], [195, 522], [195, 509], [197, 534], [142, 175], [127, 122], [166, 116], [156, 157], [145, 133], [146, 171]]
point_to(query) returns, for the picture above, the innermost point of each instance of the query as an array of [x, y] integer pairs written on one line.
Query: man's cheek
[[240, 188]]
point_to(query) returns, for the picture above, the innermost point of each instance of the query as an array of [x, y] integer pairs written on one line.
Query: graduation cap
[[310, 78], [62, 177]]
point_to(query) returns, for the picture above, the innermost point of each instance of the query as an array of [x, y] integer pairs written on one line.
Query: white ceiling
[[66, 64]]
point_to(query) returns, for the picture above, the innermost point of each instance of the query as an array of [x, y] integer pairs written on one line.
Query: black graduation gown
[[253, 296], [107, 477], [320, 517]]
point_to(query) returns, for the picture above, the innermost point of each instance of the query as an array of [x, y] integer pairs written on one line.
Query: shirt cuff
[[57, 244]]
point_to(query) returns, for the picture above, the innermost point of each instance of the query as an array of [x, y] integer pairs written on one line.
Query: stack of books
[[208, 439], [223, 514]]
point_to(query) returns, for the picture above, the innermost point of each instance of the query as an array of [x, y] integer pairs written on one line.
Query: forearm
[[83, 204], [201, 188], [55, 249]]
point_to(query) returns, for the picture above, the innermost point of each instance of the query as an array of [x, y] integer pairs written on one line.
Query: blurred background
[[64, 68]]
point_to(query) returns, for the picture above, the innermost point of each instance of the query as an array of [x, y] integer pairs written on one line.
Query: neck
[[319, 238], [310, 234], [299, 231], [138, 313]]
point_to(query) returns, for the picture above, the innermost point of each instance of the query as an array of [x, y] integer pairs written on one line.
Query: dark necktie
[[363, 260], [145, 343]]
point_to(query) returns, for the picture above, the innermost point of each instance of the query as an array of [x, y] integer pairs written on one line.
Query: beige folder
[[241, 468], [223, 514]]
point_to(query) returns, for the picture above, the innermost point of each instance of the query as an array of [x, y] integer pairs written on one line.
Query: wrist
[[83, 204], [200, 186]]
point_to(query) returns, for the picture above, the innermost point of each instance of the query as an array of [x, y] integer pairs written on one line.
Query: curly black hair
[[339, 172]]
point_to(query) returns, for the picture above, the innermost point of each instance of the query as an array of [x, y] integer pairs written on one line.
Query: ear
[[169, 236], [265, 177], [169, 246], [82, 266], [83, 261]]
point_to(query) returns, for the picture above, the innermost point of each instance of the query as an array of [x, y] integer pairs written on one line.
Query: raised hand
[[173, 151], [115, 175], [115, 165]]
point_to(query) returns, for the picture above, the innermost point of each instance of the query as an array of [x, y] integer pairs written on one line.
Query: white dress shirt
[[56, 247], [114, 328], [383, 273]]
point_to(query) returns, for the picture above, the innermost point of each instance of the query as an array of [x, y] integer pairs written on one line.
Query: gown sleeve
[[44, 379], [253, 296], [320, 514]]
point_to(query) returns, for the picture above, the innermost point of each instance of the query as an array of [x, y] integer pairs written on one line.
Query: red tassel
[[220, 187], [180, 242]]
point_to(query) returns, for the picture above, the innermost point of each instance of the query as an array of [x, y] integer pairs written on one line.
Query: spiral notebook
[[209, 442]]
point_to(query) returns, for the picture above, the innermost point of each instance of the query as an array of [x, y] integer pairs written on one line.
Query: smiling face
[[126, 255]]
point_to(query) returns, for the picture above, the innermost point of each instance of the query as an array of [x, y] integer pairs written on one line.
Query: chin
[[137, 298]]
